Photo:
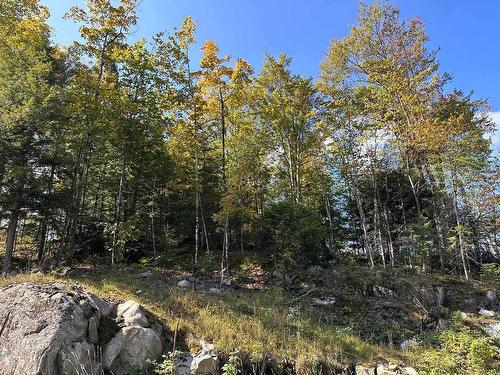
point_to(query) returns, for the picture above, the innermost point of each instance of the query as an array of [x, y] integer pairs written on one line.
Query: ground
[[273, 317]]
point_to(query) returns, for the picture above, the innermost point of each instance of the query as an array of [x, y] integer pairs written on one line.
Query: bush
[[294, 234], [460, 350]]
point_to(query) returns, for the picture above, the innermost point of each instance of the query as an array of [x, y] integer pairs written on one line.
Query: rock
[[324, 301], [104, 307], [79, 358], [206, 346], [204, 363], [409, 371], [132, 350], [382, 292], [54, 329], [493, 330], [486, 313], [440, 295], [133, 314], [183, 364], [409, 344], [46, 327], [386, 370], [227, 282], [145, 275], [93, 330], [184, 284], [361, 370], [215, 291], [491, 295]]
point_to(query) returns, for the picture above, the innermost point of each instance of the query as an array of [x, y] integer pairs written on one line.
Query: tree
[[25, 98]]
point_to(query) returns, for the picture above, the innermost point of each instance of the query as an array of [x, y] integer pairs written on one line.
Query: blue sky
[[466, 31]]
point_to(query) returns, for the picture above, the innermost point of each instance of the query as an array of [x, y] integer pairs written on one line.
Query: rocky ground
[[345, 320]]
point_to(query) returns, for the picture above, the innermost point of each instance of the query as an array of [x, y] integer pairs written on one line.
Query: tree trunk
[[364, 226], [11, 238], [461, 245], [196, 227]]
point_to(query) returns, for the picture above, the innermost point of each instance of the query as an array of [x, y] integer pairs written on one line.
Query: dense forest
[[122, 150]]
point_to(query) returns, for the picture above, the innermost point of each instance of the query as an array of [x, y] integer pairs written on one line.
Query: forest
[[120, 150]]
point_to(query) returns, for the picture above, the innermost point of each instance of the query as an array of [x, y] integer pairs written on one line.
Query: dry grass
[[259, 324]]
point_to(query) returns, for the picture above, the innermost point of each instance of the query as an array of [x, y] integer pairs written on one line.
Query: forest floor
[[320, 317]]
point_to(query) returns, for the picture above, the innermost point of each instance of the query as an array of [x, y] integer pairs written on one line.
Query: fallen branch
[[302, 296]]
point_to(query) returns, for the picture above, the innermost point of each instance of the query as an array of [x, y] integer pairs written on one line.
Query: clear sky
[[466, 31]]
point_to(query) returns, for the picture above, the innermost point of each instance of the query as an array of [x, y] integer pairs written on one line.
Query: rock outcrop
[[65, 330], [385, 369]]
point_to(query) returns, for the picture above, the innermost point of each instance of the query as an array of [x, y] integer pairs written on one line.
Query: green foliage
[[233, 365], [294, 234], [490, 273], [167, 365], [460, 350], [116, 148]]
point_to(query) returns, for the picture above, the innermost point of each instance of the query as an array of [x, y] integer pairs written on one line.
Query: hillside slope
[[318, 321]]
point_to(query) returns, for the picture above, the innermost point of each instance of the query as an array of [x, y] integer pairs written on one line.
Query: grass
[[260, 324], [273, 324]]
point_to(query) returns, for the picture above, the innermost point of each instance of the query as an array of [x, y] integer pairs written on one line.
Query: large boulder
[[132, 350], [132, 313], [61, 329]]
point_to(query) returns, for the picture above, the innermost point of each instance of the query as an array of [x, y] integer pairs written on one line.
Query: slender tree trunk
[[330, 223], [461, 245], [42, 238], [196, 228], [203, 224], [153, 236], [437, 220], [364, 226], [10, 241], [118, 214]]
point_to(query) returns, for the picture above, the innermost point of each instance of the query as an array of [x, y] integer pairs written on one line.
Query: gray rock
[[53, 329], [493, 330], [215, 291], [486, 313], [191, 279], [133, 349], [361, 370], [183, 364], [145, 274], [327, 301], [93, 336], [382, 292], [409, 344], [204, 364], [44, 325], [409, 371], [491, 295], [104, 307], [184, 284], [79, 358], [386, 370], [133, 314]]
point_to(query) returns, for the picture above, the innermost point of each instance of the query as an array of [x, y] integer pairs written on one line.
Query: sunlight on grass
[[260, 324]]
